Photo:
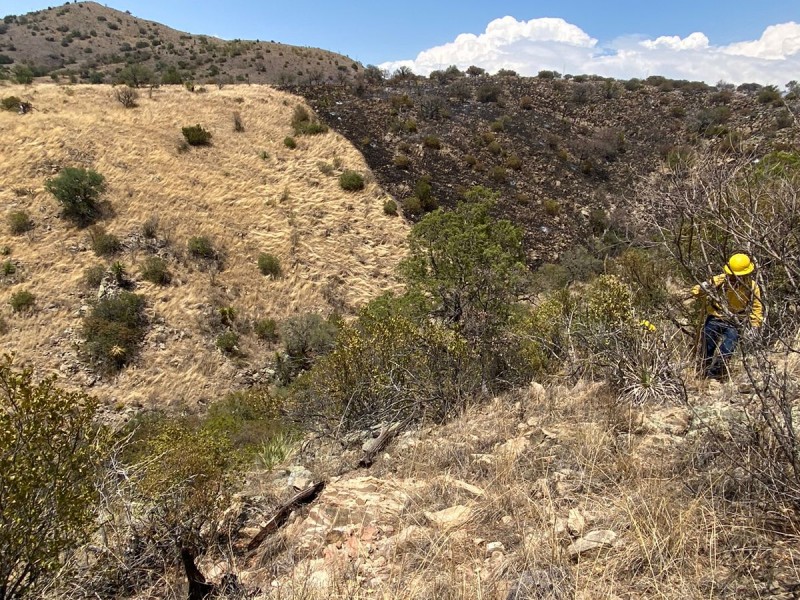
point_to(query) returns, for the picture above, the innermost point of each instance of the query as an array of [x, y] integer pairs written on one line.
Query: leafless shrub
[[127, 96], [718, 208]]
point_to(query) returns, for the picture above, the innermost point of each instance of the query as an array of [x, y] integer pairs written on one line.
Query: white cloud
[[554, 44]]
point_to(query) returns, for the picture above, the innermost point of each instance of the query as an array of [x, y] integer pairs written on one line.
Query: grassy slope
[[332, 244]]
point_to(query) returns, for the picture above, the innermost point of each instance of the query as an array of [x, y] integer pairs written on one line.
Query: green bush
[[269, 265], [390, 207], [351, 181], [769, 95], [22, 301], [113, 330], [201, 247], [305, 337], [488, 92], [266, 330], [78, 191], [433, 142], [303, 124], [104, 243], [289, 142], [248, 419], [8, 268], [154, 270], [19, 222], [412, 207], [402, 161], [50, 474], [10, 103], [195, 135], [228, 342]]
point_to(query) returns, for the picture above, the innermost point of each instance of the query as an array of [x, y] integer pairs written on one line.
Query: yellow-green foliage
[[50, 458], [185, 478], [536, 337], [608, 301], [385, 366]]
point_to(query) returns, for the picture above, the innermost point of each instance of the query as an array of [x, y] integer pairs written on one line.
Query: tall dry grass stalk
[[247, 192]]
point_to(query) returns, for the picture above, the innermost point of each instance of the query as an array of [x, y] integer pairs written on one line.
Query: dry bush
[[127, 96]]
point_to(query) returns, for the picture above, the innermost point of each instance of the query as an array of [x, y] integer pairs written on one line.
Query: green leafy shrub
[[351, 181], [104, 243], [289, 142], [228, 342], [488, 92], [402, 161], [10, 103], [303, 124], [390, 207], [113, 330], [50, 474], [769, 95], [22, 301], [552, 207], [269, 265], [248, 419], [78, 191], [431, 141], [266, 330], [305, 337], [201, 247], [412, 206], [195, 135], [154, 270], [8, 268], [19, 222]]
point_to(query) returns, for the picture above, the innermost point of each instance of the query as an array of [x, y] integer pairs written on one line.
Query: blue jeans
[[719, 342]]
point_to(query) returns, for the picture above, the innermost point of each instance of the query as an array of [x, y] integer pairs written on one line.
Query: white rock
[[455, 516]]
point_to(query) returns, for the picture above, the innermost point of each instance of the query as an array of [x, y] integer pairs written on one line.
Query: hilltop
[[89, 42]]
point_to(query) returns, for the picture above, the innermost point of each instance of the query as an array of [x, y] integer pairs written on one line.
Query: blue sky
[[386, 33]]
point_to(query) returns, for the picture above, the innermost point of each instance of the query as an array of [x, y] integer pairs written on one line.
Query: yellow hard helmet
[[739, 264]]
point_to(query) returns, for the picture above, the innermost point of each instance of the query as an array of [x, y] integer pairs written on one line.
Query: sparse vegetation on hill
[[90, 43]]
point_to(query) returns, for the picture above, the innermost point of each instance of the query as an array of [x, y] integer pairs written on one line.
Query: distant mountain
[[88, 42]]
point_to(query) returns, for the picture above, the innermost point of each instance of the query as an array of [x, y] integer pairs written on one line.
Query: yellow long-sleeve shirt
[[726, 297]]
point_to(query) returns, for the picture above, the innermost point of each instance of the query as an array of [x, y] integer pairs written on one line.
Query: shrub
[[266, 330], [78, 191], [103, 243], [390, 207], [402, 161], [769, 95], [8, 268], [514, 162], [432, 142], [289, 142], [488, 92], [50, 472], [93, 276], [247, 419], [238, 126], [306, 337], [303, 124], [195, 135], [22, 301], [498, 174], [201, 247], [113, 330], [269, 265], [19, 222], [150, 228], [351, 181], [552, 207], [127, 96], [412, 206], [526, 103], [228, 342], [10, 103], [154, 270]]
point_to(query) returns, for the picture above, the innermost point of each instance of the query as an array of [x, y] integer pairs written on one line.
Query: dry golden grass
[[336, 248]]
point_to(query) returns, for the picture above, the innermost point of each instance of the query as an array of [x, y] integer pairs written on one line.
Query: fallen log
[[281, 514], [386, 436]]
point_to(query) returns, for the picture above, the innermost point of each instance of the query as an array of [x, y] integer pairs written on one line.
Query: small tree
[[196, 136], [50, 459], [78, 191]]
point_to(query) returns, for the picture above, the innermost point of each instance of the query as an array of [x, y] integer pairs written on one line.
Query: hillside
[[567, 154], [247, 192], [89, 42]]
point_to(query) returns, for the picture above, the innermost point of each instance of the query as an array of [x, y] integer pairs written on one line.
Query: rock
[[449, 518], [493, 547], [576, 522], [594, 540], [672, 421]]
